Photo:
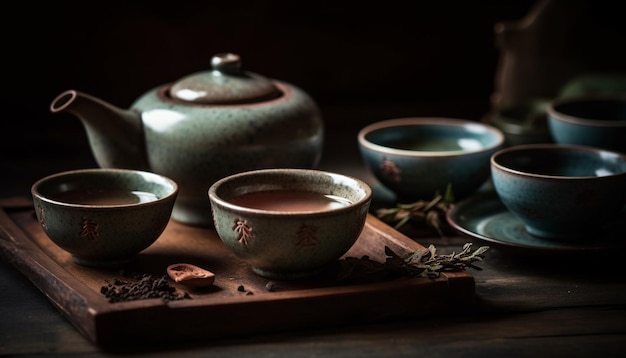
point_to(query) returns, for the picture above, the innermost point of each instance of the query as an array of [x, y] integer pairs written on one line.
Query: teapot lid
[[226, 83]]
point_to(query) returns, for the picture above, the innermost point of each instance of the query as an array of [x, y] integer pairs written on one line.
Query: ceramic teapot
[[201, 128]]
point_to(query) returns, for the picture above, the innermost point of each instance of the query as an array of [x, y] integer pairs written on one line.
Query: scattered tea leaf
[[139, 287], [420, 263], [241, 288], [429, 213]]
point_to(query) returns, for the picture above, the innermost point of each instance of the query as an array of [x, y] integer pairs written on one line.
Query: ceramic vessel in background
[[594, 83], [418, 157], [104, 217], [523, 123], [541, 51], [597, 120], [201, 128], [289, 223], [561, 192]]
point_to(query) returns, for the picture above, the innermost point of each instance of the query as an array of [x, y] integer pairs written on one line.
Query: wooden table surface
[[525, 306]]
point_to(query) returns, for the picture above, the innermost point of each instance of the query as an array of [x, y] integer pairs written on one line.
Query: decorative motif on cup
[[244, 230], [307, 236], [42, 217], [89, 229], [391, 170]]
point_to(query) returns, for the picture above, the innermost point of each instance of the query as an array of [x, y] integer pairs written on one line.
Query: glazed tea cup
[[289, 223], [104, 217], [420, 157], [597, 120], [561, 192]]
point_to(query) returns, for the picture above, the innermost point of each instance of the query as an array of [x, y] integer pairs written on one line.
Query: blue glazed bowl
[[593, 120], [418, 157], [561, 192]]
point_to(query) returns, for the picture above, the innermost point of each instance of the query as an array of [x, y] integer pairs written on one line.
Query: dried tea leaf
[[421, 263], [429, 213], [139, 287]]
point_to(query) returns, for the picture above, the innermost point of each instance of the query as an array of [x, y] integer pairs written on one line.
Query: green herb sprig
[[430, 213], [430, 264]]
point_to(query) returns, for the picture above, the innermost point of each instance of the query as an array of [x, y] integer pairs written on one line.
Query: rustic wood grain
[[221, 310]]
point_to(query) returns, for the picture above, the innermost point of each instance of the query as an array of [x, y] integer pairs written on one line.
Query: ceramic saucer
[[485, 217]]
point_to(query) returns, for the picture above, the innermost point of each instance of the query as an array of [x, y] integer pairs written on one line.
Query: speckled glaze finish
[[289, 245], [197, 136], [418, 157], [561, 192], [592, 120], [484, 217], [104, 235]]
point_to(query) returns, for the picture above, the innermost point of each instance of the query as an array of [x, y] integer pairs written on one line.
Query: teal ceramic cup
[[592, 120], [561, 192], [420, 157], [289, 223], [104, 217]]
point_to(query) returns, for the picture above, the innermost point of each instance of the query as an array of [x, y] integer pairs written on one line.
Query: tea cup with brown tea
[[289, 223], [104, 217]]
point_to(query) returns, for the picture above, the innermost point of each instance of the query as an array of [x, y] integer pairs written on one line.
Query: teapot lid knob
[[226, 63], [226, 83]]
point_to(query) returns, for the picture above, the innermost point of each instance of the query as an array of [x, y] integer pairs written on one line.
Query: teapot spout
[[115, 135]]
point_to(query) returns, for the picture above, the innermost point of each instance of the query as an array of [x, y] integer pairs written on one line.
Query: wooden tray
[[238, 303]]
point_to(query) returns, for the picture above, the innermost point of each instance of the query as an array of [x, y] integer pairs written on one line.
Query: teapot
[[201, 128]]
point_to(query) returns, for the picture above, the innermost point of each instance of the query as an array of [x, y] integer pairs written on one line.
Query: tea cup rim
[[172, 192], [362, 185], [430, 121], [553, 111], [553, 147]]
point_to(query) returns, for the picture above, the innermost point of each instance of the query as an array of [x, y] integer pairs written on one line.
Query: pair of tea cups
[[285, 223], [569, 190], [560, 191]]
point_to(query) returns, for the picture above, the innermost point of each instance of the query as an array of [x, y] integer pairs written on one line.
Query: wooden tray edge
[[80, 304]]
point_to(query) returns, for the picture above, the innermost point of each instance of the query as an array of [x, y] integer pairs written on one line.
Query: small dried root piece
[[190, 275]]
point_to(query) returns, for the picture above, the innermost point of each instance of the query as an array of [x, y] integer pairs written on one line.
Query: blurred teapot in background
[[561, 48], [201, 128]]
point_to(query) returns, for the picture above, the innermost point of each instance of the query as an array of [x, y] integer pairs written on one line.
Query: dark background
[[361, 61]]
